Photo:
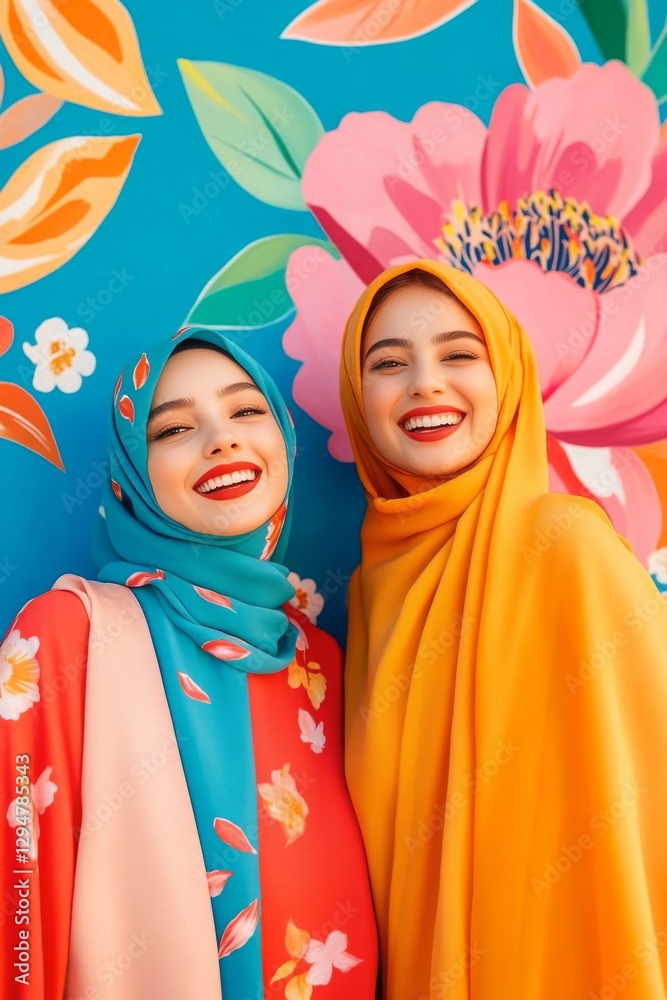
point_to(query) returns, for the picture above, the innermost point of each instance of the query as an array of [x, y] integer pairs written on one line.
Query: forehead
[[197, 370], [419, 311]]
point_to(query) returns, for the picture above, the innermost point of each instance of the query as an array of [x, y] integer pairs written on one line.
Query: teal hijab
[[213, 607], [138, 545]]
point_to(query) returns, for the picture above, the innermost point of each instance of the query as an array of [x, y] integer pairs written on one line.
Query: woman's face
[[428, 388], [216, 456]]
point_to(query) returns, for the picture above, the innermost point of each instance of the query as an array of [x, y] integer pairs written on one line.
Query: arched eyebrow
[[188, 401], [439, 338]]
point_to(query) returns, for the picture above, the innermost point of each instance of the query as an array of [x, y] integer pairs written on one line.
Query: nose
[[427, 380], [221, 439]]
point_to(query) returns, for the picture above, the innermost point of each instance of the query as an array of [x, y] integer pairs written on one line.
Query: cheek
[[379, 398]]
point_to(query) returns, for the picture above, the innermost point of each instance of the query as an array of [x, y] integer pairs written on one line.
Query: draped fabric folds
[[506, 718]]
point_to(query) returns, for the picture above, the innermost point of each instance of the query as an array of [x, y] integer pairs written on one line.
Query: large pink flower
[[559, 208]]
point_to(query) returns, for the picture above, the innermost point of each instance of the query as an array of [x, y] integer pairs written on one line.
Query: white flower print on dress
[[19, 674], [60, 356], [42, 794], [306, 599]]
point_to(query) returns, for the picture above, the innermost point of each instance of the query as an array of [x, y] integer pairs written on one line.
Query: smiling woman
[[240, 859]]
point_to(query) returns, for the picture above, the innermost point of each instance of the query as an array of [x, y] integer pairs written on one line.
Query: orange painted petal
[[543, 47], [233, 835], [142, 578], [191, 688], [317, 689], [239, 930], [23, 421], [296, 940], [26, 116], [86, 52], [6, 334], [118, 493], [368, 22], [225, 650], [56, 200], [214, 598], [126, 408], [117, 389], [141, 372], [217, 881], [286, 969], [298, 988]]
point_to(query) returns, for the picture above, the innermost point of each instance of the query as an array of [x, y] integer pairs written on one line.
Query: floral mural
[[281, 163]]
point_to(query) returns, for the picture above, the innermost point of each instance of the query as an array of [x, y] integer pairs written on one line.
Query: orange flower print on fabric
[[305, 672], [283, 802], [19, 675], [322, 956]]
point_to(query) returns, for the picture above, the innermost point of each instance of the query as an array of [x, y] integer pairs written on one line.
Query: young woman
[[177, 820], [506, 677]]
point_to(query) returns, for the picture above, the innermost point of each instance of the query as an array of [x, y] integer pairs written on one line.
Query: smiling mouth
[[431, 427], [229, 485]]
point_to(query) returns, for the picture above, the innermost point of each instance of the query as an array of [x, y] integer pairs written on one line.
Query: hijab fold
[[484, 739]]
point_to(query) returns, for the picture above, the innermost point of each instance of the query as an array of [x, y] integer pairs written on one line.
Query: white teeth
[[437, 420], [229, 479]]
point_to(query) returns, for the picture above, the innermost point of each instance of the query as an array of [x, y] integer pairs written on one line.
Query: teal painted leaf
[[637, 36], [261, 130], [250, 290], [608, 20], [655, 74]]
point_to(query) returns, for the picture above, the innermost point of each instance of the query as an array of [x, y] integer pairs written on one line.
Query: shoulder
[[54, 611], [572, 530]]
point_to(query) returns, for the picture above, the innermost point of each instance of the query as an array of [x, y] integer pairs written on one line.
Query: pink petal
[[590, 136], [324, 291], [559, 316], [217, 880], [233, 835], [141, 372], [618, 393], [374, 174], [369, 22], [192, 689], [25, 116], [239, 930], [214, 598], [647, 222], [620, 482], [140, 579], [225, 650]]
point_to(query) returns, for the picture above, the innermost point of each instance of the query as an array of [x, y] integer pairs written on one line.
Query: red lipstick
[[228, 492], [425, 434]]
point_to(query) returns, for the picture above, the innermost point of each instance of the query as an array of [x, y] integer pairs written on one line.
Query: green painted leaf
[[260, 129], [608, 20], [655, 74], [638, 36], [250, 290]]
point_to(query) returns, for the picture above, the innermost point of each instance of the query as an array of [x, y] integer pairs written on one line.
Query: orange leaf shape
[[286, 969], [296, 940], [142, 578], [543, 48], [214, 598], [239, 930], [298, 988], [86, 52], [217, 881], [141, 372], [6, 334], [56, 200], [225, 650], [118, 493], [25, 117], [126, 408], [192, 689], [233, 835], [23, 421], [369, 22], [117, 388]]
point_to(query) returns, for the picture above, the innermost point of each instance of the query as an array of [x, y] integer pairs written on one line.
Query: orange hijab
[[506, 713]]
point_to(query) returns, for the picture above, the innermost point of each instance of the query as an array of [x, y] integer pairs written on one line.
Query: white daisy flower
[[60, 356]]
